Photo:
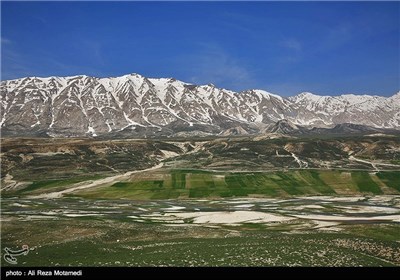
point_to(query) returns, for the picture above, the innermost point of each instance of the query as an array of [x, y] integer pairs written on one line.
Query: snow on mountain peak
[[309, 95], [267, 94], [396, 95], [77, 104]]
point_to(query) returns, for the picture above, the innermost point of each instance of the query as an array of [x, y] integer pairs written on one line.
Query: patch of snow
[[235, 217], [35, 124], [394, 218], [91, 131], [169, 154], [173, 208]]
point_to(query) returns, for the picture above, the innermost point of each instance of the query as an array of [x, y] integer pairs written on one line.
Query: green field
[[365, 183], [189, 184], [391, 179]]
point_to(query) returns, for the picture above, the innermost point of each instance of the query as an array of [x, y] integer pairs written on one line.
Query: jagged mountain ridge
[[139, 106]]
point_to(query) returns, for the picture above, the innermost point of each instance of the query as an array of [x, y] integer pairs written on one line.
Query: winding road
[[95, 183]]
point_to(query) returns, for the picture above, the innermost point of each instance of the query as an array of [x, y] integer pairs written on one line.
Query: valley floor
[[312, 231], [148, 203]]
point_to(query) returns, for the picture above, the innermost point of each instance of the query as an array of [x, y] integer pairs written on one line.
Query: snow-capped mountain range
[[139, 107]]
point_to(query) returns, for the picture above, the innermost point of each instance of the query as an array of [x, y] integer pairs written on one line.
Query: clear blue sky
[[285, 48]]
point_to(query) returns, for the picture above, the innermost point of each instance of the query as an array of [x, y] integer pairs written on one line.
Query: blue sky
[[282, 47]]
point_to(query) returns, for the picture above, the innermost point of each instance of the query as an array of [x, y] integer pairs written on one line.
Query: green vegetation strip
[[188, 184], [390, 178]]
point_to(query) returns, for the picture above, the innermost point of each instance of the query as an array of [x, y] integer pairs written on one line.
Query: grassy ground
[[97, 243]]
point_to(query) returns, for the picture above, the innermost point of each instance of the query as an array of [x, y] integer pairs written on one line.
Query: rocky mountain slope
[[136, 106]]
